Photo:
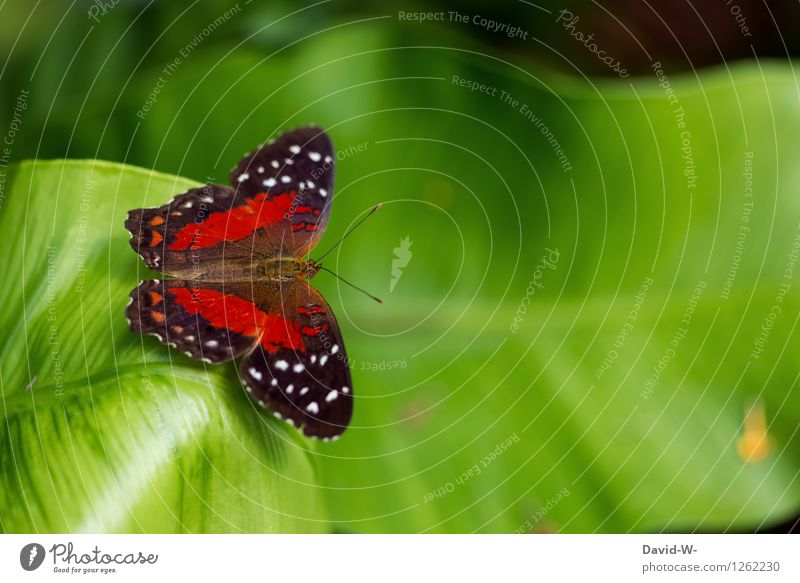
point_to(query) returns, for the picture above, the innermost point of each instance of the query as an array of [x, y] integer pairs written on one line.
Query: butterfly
[[240, 285]]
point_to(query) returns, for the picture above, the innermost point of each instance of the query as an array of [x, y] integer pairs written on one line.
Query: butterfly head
[[310, 268]]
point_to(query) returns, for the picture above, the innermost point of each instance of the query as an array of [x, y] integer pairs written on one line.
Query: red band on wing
[[237, 315], [235, 224]]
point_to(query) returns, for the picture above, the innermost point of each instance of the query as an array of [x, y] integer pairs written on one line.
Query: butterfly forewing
[[300, 163]]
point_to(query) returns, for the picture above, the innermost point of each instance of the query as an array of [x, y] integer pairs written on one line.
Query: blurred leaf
[[102, 430], [473, 180]]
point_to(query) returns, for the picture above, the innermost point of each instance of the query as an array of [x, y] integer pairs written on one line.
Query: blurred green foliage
[[442, 375]]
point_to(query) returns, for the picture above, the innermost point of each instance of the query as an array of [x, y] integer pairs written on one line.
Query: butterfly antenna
[[343, 237], [340, 278]]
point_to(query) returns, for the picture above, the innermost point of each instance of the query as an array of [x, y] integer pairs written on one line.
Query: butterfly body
[[240, 280]]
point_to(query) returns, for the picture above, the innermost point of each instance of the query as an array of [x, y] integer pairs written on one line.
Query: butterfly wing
[[295, 363], [300, 162], [280, 206], [308, 381], [208, 230], [214, 322]]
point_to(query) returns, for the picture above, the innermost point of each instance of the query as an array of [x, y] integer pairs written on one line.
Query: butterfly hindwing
[[309, 383], [205, 321], [299, 163]]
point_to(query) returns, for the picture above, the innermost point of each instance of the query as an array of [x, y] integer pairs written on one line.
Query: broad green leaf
[[473, 180], [103, 430]]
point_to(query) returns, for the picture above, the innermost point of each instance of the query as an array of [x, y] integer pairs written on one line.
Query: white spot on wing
[[243, 177], [315, 156], [212, 343], [294, 149], [303, 391], [313, 407], [281, 364], [254, 372], [323, 192], [331, 396], [298, 367], [334, 349], [269, 182], [286, 179]]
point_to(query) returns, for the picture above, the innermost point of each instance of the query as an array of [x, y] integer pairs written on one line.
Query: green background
[[106, 431]]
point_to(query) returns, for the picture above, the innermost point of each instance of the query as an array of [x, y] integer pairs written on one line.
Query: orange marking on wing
[[156, 220], [157, 238], [155, 298], [157, 316]]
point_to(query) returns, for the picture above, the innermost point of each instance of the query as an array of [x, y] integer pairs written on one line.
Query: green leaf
[[442, 379], [104, 430]]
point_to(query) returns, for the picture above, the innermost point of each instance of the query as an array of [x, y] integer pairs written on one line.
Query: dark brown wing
[[306, 381], [301, 162]]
